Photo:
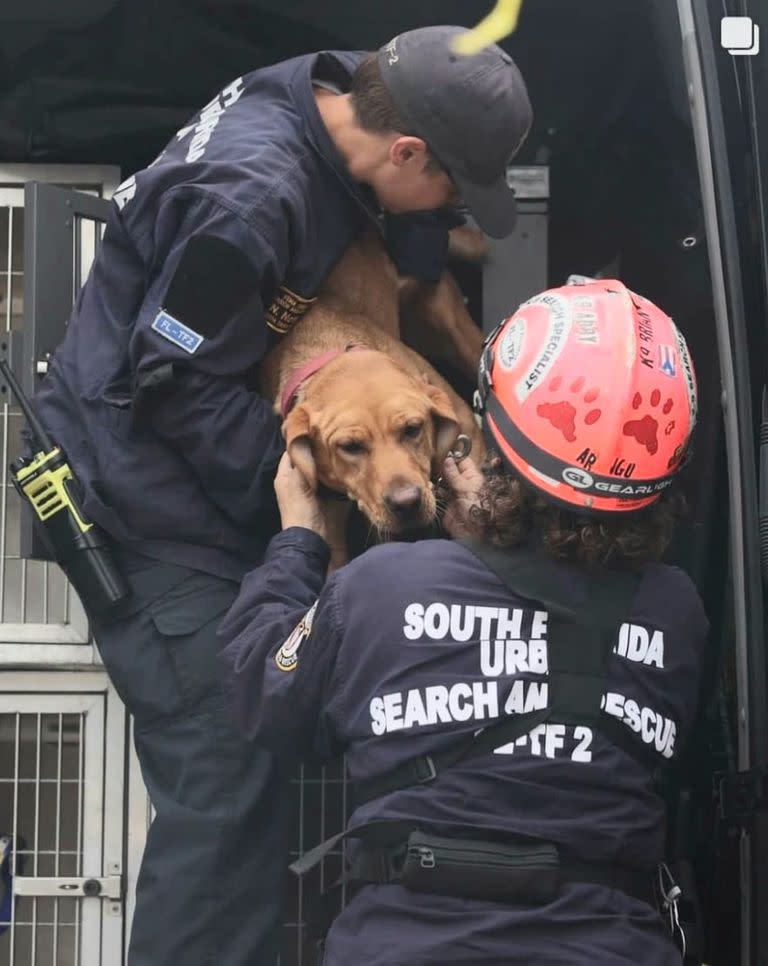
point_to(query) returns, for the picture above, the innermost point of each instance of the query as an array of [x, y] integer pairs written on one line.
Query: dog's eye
[[352, 447], [413, 430]]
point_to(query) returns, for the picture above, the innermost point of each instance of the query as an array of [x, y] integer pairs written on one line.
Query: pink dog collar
[[300, 376]]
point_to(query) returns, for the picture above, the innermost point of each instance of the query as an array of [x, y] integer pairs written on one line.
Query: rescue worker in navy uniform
[[209, 255], [504, 699]]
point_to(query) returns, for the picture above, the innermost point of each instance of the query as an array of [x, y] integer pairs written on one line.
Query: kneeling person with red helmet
[[505, 699]]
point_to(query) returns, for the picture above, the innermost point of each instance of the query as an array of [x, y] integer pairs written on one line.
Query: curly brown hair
[[509, 513]]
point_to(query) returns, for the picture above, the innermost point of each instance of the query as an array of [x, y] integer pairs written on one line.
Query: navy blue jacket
[[209, 255], [412, 645]]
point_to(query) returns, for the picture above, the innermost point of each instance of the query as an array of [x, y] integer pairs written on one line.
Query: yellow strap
[[499, 23]]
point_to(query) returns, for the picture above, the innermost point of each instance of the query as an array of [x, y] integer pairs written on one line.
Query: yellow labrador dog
[[363, 414]]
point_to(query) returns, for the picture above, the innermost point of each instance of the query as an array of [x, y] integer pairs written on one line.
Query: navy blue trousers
[[211, 878]]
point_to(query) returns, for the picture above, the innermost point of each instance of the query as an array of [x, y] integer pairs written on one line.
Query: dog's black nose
[[404, 500]]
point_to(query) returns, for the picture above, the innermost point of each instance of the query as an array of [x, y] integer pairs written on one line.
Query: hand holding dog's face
[[366, 428], [300, 506], [463, 481], [297, 499]]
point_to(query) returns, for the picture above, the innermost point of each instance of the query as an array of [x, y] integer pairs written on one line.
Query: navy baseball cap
[[473, 112]]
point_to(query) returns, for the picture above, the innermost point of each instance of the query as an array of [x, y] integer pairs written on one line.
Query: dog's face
[[368, 429]]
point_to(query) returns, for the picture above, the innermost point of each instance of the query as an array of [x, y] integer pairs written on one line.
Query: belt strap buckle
[[670, 892], [423, 770], [381, 865], [385, 866]]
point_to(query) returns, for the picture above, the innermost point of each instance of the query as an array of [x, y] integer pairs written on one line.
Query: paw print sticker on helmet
[[562, 415], [645, 430]]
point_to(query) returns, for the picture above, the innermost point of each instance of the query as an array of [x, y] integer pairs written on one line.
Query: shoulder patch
[[176, 332], [287, 658], [214, 281]]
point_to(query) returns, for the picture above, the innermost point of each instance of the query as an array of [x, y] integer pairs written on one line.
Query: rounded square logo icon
[[739, 35]]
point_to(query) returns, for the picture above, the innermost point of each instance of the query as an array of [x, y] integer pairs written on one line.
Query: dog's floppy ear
[[296, 430], [446, 424]]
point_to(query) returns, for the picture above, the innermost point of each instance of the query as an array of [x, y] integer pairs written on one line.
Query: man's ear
[[405, 148], [446, 424], [296, 430]]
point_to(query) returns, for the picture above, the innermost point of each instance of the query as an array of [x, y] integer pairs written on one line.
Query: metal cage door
[[61, 820]]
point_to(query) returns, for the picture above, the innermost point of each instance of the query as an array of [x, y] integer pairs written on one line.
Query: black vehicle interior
[[109, 82]]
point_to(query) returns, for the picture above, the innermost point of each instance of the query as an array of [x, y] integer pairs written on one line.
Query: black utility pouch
[[469, 869]]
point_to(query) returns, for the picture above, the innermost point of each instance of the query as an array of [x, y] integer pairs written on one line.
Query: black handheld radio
[[46, 482]]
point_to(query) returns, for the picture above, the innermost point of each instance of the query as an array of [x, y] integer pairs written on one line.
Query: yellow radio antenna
[[499, 23]]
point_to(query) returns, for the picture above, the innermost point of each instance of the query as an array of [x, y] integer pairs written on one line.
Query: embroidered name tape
[[286, 310], [176, 332]]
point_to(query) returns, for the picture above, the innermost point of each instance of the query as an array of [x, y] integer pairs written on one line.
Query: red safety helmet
[[588, 392]]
